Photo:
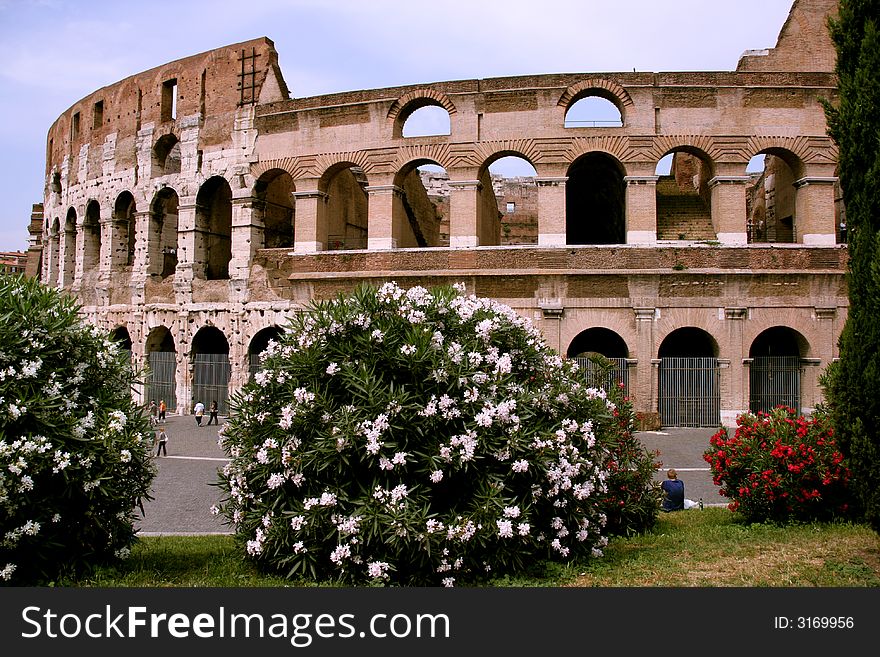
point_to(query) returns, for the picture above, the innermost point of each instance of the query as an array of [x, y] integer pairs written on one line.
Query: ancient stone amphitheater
[[192, 207]]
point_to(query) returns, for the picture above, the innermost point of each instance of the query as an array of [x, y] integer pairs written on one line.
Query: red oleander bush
[[781, 467]]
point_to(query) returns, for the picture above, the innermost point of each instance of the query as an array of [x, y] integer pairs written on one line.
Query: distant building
[[13, 262]]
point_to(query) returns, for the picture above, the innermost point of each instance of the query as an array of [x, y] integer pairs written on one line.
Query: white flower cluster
[[482, 410]]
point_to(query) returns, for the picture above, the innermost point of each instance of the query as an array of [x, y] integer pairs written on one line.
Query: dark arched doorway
[[211, 368], [609, 370], [161, 380], [775, 369], [689, 390], [594, 201], [258, 345]]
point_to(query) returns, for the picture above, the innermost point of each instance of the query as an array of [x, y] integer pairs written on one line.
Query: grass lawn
[[689, 548]]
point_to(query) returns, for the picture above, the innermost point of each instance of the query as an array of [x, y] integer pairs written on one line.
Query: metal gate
[[774, 381], [211, 380], [593, 373], [161, 379], [690, 394]]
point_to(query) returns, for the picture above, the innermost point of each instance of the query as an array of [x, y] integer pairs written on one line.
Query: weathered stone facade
[[192, 207]]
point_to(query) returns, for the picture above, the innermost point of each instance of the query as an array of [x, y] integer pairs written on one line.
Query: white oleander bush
[[415, 437], [74, 449]]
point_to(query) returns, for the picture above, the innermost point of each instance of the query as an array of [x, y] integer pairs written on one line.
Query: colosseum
[[193, 207]]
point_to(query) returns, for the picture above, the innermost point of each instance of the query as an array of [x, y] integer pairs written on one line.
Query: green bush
[[632, 503], [74, 449], [415, 437], [779, 466]]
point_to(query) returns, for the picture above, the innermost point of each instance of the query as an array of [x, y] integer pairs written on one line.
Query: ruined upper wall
[[210, 85], [804, 43]]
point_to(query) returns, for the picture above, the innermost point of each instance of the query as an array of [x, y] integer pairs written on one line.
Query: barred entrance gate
[[774, 381], [211, 374], [689, 392], [594, 375], [161, 383]]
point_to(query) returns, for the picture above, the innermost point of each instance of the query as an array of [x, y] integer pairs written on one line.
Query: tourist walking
[[212, 414], [163, 440], [199, 410], [162, 409]]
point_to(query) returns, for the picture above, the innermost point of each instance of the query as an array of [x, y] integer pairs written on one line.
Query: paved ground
[[184, 492]]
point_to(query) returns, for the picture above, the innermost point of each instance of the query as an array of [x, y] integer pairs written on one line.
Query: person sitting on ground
[[674, 489]]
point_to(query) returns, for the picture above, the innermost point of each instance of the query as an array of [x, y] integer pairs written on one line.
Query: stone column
[[551, 211], [814, 210], [729, 215], [464, 203], [825, 351], [736, 401], [642, 392], [188, 265], [310, 223], [641, 209], [385, 223], [552, 310], [247, 237]]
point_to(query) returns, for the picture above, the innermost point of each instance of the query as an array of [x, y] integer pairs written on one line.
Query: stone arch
[[402, 108], [213, 235], [513, 197], [161, 357], [91, 229], [599, 340], [345, 221], [775, 371], [772, 195], [597, 86], [274, 208], [689, 387], [121, 336], [53, 239], [211, 369], [610, 345], [166, 155], [67, 259], [123, 241], [416, 221], [162, 233], [258, 345], [595, 200], [683, 196]]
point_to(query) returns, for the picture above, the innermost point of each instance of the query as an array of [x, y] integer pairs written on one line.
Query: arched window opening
[[162, 240], [427, 121], [347, 209], [689, 392], [611, 369], [274, 193], [214, 229], [121, 337], [593, 112], [420, 215], [92, 237], [259, 344], [124, 230], [211, 368], [516, 193], [68, 245], [684, 201], [775, 369], [161, 375], [595, 201], [54, 252], [166, 155], [771, 197]]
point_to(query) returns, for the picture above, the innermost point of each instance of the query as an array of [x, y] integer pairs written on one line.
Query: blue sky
[[54, 52]]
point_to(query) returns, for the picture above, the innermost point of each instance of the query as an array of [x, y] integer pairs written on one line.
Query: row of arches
[[595, 213], [688, 390], [687, 385]]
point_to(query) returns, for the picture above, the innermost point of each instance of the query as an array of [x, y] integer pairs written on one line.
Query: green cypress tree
[[854, 386]]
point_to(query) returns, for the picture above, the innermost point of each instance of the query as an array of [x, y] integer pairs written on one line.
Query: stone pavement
[[183, 490]]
